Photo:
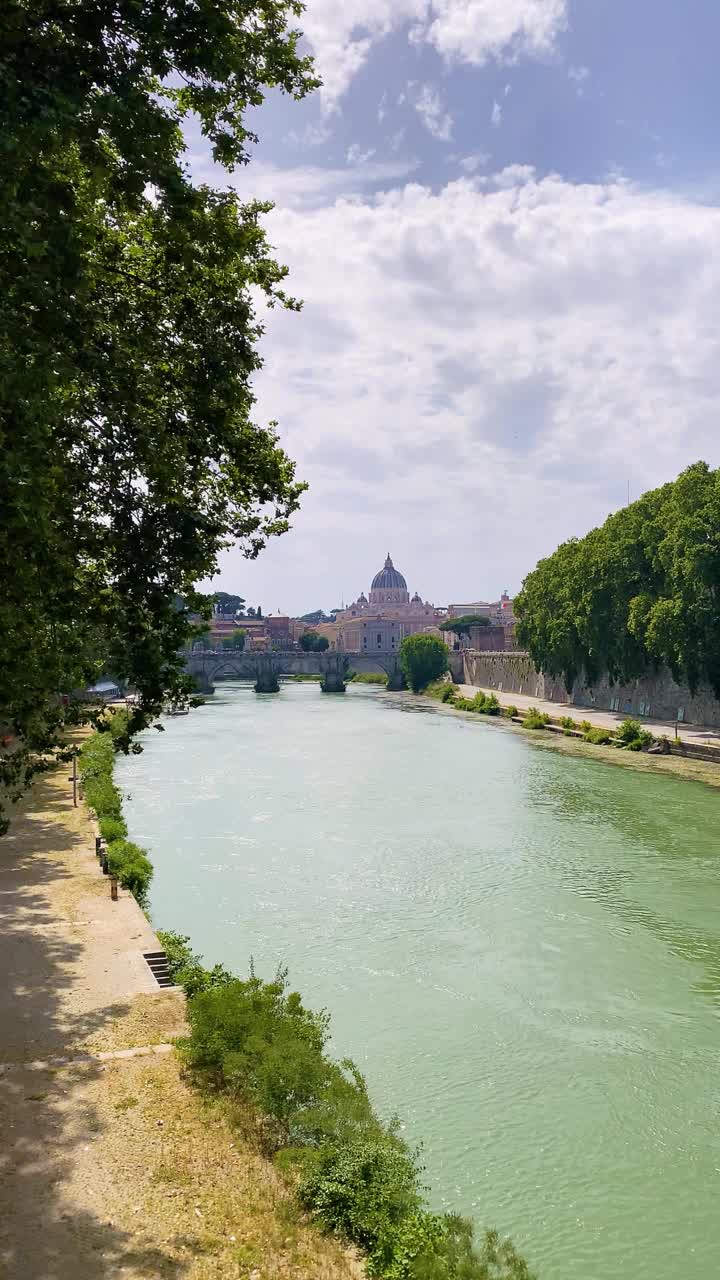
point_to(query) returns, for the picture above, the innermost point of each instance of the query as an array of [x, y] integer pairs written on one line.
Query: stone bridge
[[265, 669]]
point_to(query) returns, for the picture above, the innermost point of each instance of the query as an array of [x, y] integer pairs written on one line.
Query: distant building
[[379, 622]]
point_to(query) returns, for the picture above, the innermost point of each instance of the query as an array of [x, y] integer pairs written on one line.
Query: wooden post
[[114, 888], [75, 782]]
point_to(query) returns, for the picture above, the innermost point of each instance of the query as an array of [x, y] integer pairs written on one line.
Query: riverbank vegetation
[[640, 592], [126, 860], [423, 659], [255, 1044], [130, 455], [367, 677], [630, 735]]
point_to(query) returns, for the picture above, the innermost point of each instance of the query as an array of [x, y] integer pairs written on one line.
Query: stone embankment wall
[[658, 697]]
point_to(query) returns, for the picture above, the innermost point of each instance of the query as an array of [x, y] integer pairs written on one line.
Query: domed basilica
[[387, 615]]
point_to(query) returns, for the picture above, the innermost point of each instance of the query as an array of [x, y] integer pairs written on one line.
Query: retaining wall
[[658, 696]]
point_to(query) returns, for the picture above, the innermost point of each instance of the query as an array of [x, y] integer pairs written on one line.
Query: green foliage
[[256, 1041], [443, 1249], [228, 606], [534, 719], [126, 860], [113, 828], [311, 642], [129, 333], [632, 735], [186, 967], [461, 626], [304, 677], [423, 659], [642, 590], [365, 1191], [510, 711], [598, 736], [368, 677], [132, 867], [235, 642]]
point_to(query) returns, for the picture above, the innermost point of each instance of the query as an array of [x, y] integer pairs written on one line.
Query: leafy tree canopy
[[317, 616], [228, 606], [128, 339], [311, 642], [461, 626], [236, 641], [423, 659], [641, 591]]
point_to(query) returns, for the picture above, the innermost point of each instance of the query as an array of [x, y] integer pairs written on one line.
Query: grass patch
[[368, 677], [534, 719]]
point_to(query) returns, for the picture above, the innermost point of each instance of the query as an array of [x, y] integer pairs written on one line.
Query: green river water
[[520, 948]]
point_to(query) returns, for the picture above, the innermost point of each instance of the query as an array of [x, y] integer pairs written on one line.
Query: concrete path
[[606, 719], [73, 973]]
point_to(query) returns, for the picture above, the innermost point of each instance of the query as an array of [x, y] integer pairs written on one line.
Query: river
[[520, 948]]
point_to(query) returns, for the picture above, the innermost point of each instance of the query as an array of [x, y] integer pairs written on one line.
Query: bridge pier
[[267, 680], [396, 679], [333, 682]]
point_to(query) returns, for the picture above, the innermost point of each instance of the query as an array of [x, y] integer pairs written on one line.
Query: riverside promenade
[[694, 735], [112, 1166]]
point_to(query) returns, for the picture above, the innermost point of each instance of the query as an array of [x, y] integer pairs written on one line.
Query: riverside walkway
[[693, 735], [111, 1165]]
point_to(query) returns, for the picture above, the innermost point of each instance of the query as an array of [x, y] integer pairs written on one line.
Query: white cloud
[[496, 115], [357, 155], [496, 358], [307, 186], [471, 163], [342, 32], [431, 109]]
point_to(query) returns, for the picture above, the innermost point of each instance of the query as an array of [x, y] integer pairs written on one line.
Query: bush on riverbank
[[126, 860], [534, 719], [632, 736], [423, 659], [368, 677], [256, 1042]]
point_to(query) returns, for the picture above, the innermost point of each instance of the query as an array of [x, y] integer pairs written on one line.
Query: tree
[[236, 641], [639, 592], [128, 341], [311, 642], [461, 626], [228, 606], [423, 659]]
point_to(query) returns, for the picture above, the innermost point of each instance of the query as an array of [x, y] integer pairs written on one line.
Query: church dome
[[388, 579]]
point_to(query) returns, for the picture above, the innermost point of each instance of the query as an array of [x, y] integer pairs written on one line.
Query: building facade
[[380, 621]]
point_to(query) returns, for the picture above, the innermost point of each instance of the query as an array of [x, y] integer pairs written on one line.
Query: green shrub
[[510, 712], [365, 1191], [534, 719], [133, 869], [442, 1248], [113, 828], [632, 735], [598, 736], [368, 677], [103, 796], [186, 968], [449, 693]]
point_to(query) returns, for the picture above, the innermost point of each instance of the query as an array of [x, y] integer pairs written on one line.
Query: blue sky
[[502, 216]]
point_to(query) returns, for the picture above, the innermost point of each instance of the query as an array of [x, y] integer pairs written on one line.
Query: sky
[[503, 218]]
